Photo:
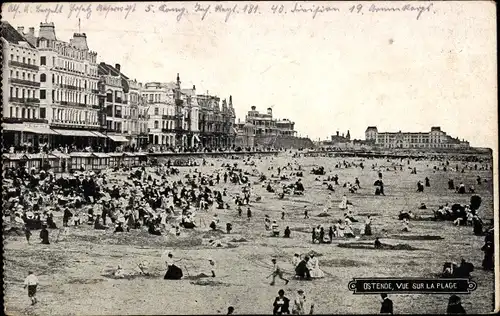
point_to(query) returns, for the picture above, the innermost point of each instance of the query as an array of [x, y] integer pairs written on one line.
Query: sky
[[336, 70]]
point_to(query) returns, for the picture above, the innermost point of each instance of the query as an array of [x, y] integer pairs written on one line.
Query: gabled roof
[[106, 69], [11, 35]]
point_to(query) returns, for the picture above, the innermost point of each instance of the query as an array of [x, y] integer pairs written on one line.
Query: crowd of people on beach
[[162, 200]]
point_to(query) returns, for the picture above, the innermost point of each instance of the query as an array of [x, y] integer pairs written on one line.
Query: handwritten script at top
[[225, 11]]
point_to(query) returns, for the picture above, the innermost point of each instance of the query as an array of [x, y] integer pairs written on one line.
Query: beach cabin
[[79, 159], [115, 159], [131, 159], [14, 160], [100, 161], [61, 162], [38, 161]]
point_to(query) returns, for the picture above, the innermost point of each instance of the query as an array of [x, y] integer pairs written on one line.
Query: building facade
[[265, 125], [436, 138], [68, 87], [21, 88], [125, 111], [216, 123], [159, 98], [245, 135]]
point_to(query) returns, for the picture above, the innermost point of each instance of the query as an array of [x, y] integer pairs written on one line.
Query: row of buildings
[[57, 93], [434, 139]]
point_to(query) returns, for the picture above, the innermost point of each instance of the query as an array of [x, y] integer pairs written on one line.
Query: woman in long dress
[[314, 269]]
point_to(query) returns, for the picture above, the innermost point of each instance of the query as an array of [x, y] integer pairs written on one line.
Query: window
[[11, 93], [17, 92], [23, 111], [53, 78], [53, 95], [24, 75], [24, 60], [156, 111], [156, 124], [42, 94], [12, 57], [17, 74], [29, 61], [53, 61], [43, 78], [43, 60]]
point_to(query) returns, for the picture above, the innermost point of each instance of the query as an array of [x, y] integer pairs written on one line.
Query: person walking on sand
[[277, 272], [31, 282]]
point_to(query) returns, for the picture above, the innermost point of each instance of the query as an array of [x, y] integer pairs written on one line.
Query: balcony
[[168, 117], [23, 65], [95, 91], [25, 82], [74, 104], [168, 130], [71, 87], [179, 102], [21, 120], [25, 100]]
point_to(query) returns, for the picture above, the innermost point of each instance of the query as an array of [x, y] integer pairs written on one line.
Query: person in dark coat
[[488, 249], [387, 306], [427, 182], [44, 235], [281, 304], [287, 232], [455, 305], [67, 215], [302, 271]]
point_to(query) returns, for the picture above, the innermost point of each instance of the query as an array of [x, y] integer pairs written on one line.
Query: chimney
[[20, 29], [230, 100], [117, 67], [269, 111], [194, 88], [48, 31], [337, 133], [253, 107]]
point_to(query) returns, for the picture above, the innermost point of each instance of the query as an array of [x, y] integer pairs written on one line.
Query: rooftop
[[11, 35]]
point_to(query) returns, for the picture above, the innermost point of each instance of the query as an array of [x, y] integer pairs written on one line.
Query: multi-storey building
[[216, 124], [191, 117], [265, 125], [121, 102], [24, 121], [285, 127], [159, 98], [436, 138], [68, 87]]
